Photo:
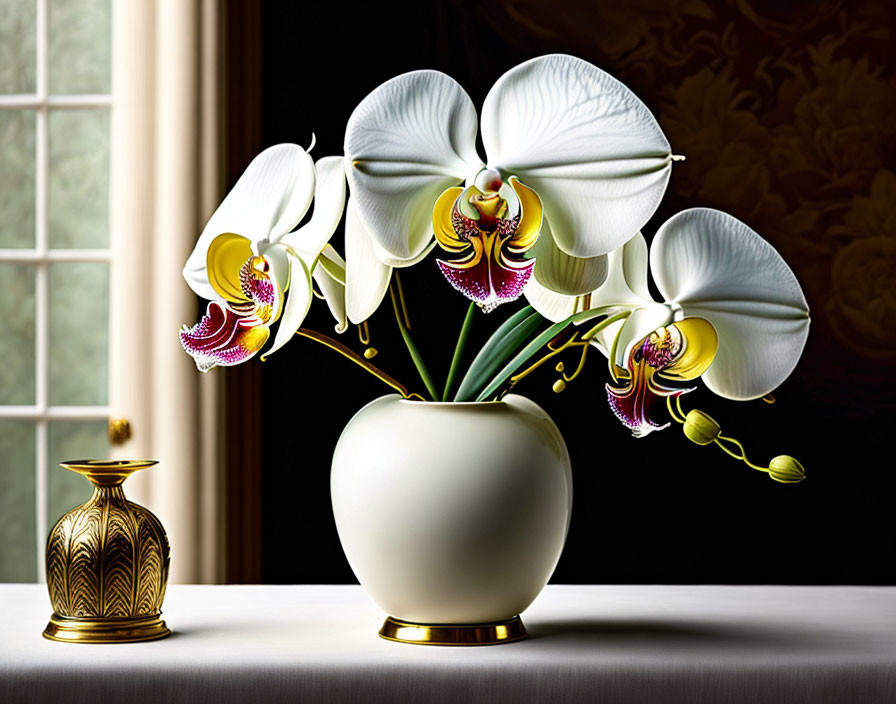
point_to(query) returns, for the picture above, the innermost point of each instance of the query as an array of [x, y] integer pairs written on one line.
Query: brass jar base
[[105, 630], [453, 634]]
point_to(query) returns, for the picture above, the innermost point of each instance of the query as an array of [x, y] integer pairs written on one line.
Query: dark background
[[785, 112]]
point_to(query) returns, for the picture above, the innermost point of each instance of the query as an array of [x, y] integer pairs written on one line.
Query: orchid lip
[[490, 229], [234, 331], [223, 338], [679, 352]]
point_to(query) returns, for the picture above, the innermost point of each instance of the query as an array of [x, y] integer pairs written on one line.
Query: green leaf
[[459, 349], [543, 339], [505, 341], [418, 361], [416, 357], [518, 361]]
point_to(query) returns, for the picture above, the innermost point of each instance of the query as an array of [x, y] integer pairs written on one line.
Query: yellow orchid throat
[[492, 227], [235, 331], [242, 277], [677, 352]]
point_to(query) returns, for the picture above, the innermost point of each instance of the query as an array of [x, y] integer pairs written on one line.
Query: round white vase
[[452, 513]]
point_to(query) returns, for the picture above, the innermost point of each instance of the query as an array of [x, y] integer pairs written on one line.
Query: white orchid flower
[[254, 269], [571, 152], [733, 313]]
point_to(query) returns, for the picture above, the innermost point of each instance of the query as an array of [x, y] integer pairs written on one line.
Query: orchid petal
[[625, 287], [563, 273], [550, 304], [366, 277], [406, 142], [603, 340], [223, 338], [298, 301], [715, 267], [630, 281], [279, 264], [329, 202], [395, 263], [330, 277], [585, 143], [334, 264], [269, 199]]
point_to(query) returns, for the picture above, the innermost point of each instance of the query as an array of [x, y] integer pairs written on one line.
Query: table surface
[[319, 643]]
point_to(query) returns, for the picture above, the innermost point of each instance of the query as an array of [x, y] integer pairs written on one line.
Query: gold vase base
[[453, 634], [105, 630]]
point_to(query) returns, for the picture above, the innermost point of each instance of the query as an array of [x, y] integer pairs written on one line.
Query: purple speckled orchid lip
[[223, 338], [484, 279], [231, 333], [492, 230], [633, 403]]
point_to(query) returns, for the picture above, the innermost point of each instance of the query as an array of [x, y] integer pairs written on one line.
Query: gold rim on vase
[[453, 634]]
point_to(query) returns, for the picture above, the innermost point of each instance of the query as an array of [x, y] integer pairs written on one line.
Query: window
[[54, 263]]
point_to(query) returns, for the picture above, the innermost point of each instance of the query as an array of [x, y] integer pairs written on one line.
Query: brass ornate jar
[[107, 563]]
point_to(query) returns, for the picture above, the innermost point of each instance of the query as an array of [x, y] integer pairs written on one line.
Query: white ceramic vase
[[452, 513]]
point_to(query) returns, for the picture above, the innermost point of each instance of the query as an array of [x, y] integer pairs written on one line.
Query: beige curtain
[[164, 185]]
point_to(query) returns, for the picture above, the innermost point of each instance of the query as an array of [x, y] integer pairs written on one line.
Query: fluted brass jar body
[[107, 563]]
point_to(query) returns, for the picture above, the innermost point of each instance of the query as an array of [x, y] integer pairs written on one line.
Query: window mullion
[[41, 240], [55, 255], [69, 102]]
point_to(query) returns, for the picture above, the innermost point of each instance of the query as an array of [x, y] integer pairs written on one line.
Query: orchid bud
[[700, 428], [786, 469]]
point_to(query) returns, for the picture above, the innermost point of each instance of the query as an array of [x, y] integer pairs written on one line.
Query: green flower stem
[[416, 358], [459, 349], [743, 453], [359, 360]]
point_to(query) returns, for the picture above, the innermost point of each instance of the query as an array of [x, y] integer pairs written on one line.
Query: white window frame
[[40, 256]]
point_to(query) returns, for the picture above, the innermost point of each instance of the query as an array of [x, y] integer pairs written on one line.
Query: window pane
[[16, 177], [18, 558], [80, 32], [76, 440], [79, 333], [17, 42], [17, 340], [79, 178]]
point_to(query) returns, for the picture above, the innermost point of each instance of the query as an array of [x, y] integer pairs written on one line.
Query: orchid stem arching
[[359, 360], [703, 430], [571, 342], [404, 307], [574, 341]]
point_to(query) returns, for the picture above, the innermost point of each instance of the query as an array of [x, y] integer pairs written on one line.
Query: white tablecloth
[[587, 643]]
